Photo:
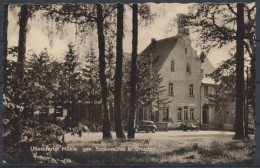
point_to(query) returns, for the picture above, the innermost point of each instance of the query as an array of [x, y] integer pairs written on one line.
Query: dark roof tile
[[160, 51]]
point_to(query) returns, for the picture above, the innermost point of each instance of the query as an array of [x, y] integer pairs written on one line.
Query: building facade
[[184, 74]]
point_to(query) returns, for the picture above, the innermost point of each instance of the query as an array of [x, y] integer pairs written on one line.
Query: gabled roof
[[160, 51], [207, 67]]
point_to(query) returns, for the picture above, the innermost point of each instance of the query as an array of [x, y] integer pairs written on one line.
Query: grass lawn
[[179, 150]]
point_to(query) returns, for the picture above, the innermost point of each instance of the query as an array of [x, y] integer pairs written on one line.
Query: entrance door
[[205, 114]]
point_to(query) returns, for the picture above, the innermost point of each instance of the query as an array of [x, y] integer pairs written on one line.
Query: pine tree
[[91, 84], [39, 78], [149, 88], [69, 80]]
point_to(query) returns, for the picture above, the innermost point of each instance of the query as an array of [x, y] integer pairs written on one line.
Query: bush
[[20, 134], [216, 148]]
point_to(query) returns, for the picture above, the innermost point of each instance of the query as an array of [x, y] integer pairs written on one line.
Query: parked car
[[176, 125], [189, 126], [146, 126]]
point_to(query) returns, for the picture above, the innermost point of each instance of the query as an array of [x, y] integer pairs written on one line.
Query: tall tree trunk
[[5, 31], [24, 15], [239, 131], [252, 71], [246, 104], [102, 76], [23, 20], [118, 73], [131, 124]]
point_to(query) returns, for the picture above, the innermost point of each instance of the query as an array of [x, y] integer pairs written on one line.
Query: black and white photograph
[[129, 83]]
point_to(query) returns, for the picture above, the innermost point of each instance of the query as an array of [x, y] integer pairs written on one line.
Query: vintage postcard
[[129, 83]]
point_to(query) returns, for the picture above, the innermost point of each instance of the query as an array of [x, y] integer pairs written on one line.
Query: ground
[[160, 147], [175, 135]]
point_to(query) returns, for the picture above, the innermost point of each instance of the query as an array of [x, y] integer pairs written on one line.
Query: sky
[[37, 37]]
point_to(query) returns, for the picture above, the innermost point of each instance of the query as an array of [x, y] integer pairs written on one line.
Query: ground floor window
[[179, 113], [191, 113], [59, 112], [166, 113], [185, 112]]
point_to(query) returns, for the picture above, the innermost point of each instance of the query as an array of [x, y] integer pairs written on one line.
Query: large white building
[[184, 74]]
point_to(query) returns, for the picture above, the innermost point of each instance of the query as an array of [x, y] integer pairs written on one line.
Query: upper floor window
[[206, 91], [172, 66], [191, 89], [171, 89], [188, 70], [186, 51]]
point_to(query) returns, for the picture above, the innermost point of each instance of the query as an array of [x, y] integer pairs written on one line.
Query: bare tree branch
[[231, 9], [248, 48], [219, 28]]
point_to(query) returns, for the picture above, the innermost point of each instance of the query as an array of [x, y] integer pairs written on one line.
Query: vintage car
[[176, 125], [189, 126], [146, 126]]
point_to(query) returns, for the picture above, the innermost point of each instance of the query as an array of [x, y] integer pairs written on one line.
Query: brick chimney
[[153, 40], [181, 26]]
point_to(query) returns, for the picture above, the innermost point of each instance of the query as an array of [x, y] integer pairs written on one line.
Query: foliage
[[69, 80], [149, 89], [226, 91], [40, 79], [21, 134], [181, 150], [216, 24], [83, 17], [91, 85], [146, 14]]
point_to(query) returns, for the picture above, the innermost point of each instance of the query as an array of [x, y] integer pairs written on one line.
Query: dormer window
[[188, 70], [172, 66], [186, 50]]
